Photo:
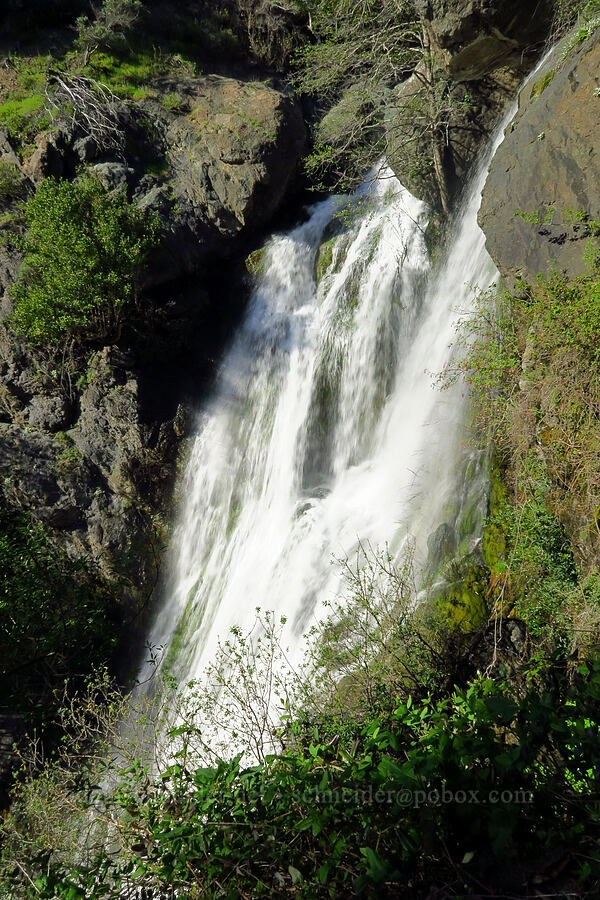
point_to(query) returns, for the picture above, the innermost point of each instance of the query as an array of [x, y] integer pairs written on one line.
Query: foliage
[[366, 107], [350, 74], [112, 20], [348, 46], [275, 28], [373, 647], [538, 573], [434, 792], [56, 620], [544, 82], [487, 360], [588, 21], [570, 13], [22, 106], [84, 256], [530, 360], [363, 771], [23, 118], [11, 184], [130, 76]]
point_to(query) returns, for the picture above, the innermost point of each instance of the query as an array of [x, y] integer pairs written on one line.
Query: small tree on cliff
[[108, 26]]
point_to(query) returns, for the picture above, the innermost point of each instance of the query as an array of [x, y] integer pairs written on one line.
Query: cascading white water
[[325, 429]]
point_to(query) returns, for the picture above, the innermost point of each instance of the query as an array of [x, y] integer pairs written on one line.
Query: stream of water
[[325, 429]]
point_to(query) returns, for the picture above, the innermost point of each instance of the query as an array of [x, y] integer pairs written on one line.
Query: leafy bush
[[488, 361], [23, 118], [56, 621], [540, 574], [366, 773], [10, 182], [530, 359], [472, 792], [113, 19], [568, 13], [84, 254]]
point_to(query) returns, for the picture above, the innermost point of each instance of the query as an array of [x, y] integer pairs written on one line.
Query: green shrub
[[10, 182], [24, 118], [84, 253], [56, 621], [488, 362], [173, 102], [538, 558], [113, 19], [473, 791], [568, 13], [530, 359]]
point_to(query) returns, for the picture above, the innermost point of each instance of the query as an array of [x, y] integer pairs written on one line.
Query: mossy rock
[[461, 604], [540, 86], [256, 262], [494, 548], [324, 259], [468, 519], [494, 538]]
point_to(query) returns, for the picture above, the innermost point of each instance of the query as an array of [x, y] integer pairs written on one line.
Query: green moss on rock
[[494, 539], [461, 604], [256, 262], [324, 259], [540, 86]]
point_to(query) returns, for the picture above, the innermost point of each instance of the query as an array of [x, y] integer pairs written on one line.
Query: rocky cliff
[[93, 454], [544, 181]]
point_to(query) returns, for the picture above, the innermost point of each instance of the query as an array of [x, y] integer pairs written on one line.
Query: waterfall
[[324, 430]]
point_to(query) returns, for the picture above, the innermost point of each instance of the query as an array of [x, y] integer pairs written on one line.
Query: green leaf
[[295, 875], [502, 708], [377, 867]]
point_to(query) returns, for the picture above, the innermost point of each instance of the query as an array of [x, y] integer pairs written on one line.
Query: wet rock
[[442, 545], [548, 167]]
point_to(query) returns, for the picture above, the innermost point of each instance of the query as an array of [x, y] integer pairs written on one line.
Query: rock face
[[548, 167], [94, 455], [232, 158], [89, 468], [475, 37], [214, 168]]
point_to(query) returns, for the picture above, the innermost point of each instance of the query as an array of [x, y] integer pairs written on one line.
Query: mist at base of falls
[[325, 431]]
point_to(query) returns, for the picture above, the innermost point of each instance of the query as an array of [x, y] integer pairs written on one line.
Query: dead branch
[[95, 108]]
